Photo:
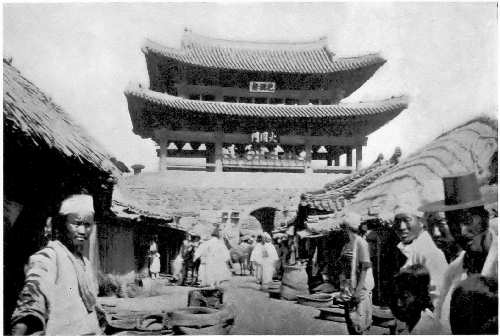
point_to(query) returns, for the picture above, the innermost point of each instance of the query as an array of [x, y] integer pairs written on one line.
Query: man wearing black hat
[[468, 221]]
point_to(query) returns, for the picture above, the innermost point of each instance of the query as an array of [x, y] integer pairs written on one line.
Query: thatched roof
[[31, 114], [418, 178]]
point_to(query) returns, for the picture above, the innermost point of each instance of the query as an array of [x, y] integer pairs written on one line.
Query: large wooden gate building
[[257, 106]]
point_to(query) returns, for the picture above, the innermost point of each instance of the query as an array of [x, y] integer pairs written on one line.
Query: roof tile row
[[388, 106], [293, 58]]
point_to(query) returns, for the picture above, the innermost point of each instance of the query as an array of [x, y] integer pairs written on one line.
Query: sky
[[442, 55]]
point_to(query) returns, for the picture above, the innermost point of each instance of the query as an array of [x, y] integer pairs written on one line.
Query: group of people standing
[[431, 293], [190, 266], [203, 263]]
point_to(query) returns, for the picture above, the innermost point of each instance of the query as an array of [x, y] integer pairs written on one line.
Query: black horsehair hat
[[461, 191]]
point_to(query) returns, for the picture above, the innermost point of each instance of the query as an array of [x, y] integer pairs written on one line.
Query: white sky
[[443, 55]]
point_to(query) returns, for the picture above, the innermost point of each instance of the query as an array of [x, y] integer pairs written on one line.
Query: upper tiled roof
[[388, 106], [302, 57]]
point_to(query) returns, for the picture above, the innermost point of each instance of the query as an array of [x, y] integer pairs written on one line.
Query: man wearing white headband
[[419, 248], [60, 290]]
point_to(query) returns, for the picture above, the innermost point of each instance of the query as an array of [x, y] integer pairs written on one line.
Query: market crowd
[[445, 281], [438, 272]]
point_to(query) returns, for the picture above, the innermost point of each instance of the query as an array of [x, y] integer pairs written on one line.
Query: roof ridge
[[306, 57], [150, 44], [190, 38]]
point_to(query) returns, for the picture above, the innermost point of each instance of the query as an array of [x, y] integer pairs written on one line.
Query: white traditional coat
[[52, 293], [269, 259], [424, 251], [213, 255], [456, 273]]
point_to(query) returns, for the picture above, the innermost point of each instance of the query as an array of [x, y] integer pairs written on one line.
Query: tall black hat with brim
[[461, 191]]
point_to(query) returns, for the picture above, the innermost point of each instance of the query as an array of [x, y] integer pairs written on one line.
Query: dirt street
[[256, 313]]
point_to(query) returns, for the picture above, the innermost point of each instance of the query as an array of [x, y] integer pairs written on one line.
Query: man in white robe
[[269, 260], [419, 248], [60, 290], [214, 257]]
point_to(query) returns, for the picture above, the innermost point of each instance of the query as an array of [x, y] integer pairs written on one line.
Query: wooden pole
[[308, 158], [359, 156], [163, 155], [349, 156], [219, 136]]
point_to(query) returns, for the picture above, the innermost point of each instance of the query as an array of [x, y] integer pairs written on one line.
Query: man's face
[[440, 232], [408, 228], [467, 229], [78, 228]]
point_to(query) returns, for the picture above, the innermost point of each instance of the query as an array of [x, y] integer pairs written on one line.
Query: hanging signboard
[[262, 87]]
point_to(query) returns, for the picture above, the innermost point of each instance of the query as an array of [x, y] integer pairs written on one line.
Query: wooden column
[[336, 156], [308, 158], [163, 154], [349, 156], [359, 156], [329, 156], [219, 136]]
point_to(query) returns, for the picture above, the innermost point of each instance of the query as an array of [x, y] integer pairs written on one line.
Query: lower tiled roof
[[390, 106]]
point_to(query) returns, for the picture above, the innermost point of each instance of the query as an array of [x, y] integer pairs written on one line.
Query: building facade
[[257, 106]]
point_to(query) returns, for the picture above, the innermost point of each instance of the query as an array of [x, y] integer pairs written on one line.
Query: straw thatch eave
[[30, 114]]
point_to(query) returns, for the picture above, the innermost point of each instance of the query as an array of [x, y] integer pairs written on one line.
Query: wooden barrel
[[294, 282]]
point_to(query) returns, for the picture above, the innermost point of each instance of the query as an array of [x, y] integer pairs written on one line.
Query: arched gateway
[[257, 106], [266, 216]]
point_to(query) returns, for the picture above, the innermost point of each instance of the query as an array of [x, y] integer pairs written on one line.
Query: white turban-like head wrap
[[351, 220], [77, 204]]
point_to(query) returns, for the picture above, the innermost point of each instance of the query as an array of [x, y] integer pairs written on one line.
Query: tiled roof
[[303, 57], [335, 196], [389, 106], [417, 180]]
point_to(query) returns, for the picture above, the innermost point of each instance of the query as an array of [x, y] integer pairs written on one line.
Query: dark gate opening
[[266, 218]]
